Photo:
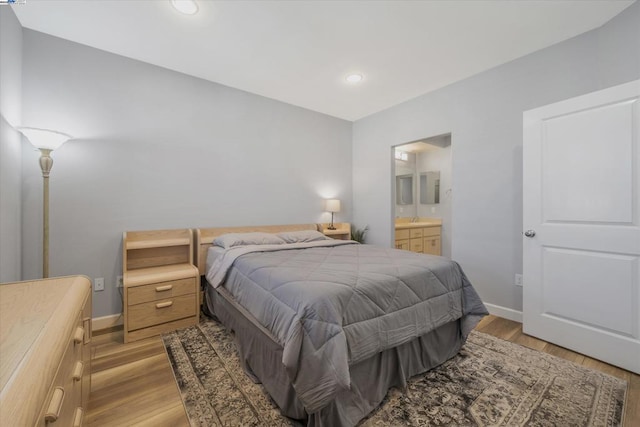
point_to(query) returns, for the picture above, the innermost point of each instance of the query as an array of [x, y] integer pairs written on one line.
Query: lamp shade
[[45, 139], [332, 205]]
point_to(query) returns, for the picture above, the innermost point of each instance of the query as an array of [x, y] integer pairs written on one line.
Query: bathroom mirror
[[404, 189], [430, 188]]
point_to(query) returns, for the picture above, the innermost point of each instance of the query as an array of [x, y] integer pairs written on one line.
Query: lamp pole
[[46, 162], [331, 227]]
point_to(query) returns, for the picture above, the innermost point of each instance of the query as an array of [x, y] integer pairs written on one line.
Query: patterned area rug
[[491, 382]]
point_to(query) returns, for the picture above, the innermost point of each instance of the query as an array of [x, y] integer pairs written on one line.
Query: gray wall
[[484, 116], [158, 149], [10, 145]]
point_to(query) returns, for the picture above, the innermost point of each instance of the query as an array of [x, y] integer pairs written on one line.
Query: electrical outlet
[[98, 284], [119, 282], [433, 209], [519, 280]]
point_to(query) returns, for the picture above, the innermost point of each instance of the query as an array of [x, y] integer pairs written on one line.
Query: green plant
[[358, 234]]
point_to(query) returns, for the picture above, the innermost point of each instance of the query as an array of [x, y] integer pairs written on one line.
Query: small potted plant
[[358, 234]]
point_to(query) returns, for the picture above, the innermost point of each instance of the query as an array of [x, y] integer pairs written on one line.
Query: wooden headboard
[[204, 237]]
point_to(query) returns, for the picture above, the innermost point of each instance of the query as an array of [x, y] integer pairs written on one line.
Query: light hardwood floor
[[133, 385]]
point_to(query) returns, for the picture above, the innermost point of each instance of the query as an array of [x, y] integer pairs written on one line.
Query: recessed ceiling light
[[188, 7], [354, 78]]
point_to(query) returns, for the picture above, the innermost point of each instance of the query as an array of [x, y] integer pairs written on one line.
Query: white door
[[581, 210]]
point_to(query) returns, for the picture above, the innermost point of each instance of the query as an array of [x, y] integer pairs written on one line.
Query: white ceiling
[[300, 51]]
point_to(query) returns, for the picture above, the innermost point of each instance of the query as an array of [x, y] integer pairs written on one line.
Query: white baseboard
[[105, 322], [504, 312]]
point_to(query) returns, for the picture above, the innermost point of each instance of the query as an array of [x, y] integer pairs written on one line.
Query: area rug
[[491, 382]]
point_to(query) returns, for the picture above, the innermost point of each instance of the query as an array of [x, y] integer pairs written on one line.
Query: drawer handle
[[164, 304], [77, 371], [164, 288], [78, 337], [77, 419], [55, 405]]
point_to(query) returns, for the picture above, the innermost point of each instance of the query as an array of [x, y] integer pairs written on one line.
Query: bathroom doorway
[[422, 194]]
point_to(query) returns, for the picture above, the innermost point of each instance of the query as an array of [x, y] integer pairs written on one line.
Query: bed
[[329, 326]]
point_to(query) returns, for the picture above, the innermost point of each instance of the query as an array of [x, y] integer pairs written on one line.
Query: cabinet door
[[415, 245], [402, 244], [432, 245]]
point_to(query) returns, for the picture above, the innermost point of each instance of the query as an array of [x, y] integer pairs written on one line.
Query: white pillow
[[230, 240], [302, 236]]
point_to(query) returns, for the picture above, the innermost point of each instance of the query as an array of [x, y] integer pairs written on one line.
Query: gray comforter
[[334, 303]]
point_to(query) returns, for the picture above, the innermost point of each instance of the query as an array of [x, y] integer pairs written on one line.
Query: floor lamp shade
[[333, 206], [46, 141]]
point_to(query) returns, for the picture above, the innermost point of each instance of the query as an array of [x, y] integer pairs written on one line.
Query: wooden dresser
[[160, 282], [45, 359]]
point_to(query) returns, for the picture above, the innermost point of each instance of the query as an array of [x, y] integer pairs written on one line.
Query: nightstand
[[160, 282], [342, 231]]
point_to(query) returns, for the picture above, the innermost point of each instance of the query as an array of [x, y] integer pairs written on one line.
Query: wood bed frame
[[204, 237]]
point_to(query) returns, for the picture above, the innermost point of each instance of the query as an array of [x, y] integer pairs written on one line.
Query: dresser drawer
[[160, 291], [157, 312], [402, 244], [65, 394], [415, 232]]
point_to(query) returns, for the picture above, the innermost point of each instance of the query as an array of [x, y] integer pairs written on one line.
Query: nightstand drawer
[[157, 312], [161, 290]]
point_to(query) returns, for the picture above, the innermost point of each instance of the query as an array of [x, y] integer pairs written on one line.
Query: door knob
[[530, 233]]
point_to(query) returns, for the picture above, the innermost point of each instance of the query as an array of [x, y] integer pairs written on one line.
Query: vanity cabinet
[[419, 238]]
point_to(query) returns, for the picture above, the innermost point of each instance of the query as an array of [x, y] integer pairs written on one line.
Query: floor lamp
[[46, 141]]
